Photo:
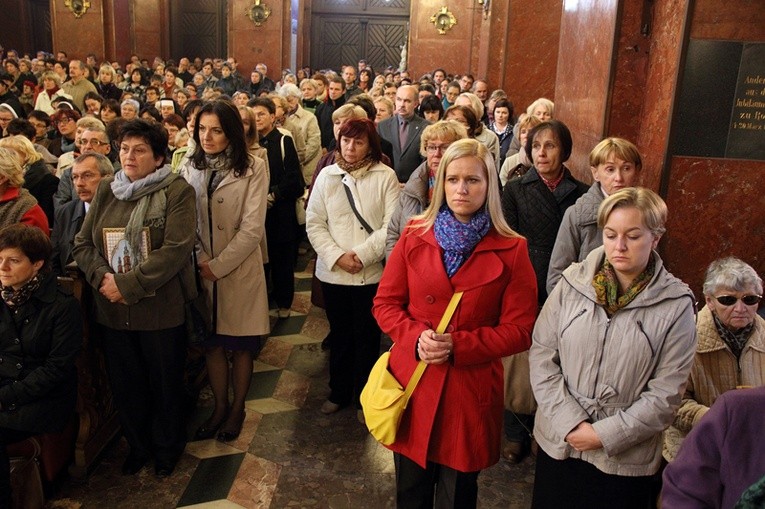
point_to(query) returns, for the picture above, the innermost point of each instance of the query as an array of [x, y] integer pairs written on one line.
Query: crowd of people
[[172, 183]]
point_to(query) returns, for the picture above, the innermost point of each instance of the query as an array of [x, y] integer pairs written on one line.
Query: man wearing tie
[[403, 131]]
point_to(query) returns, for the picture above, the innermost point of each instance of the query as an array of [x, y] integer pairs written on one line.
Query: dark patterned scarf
[[734, 339], [15, 298], [459, 239], [607, 286]]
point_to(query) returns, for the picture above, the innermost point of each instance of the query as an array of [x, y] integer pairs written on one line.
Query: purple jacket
[[722, 456]]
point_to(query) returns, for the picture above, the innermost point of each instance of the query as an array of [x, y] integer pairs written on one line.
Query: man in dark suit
[[403, 131], [335, 99], [87, 171]]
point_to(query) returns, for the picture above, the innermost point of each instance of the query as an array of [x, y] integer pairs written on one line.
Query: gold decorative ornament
[[258, 12], [78, 7], [443, 20]]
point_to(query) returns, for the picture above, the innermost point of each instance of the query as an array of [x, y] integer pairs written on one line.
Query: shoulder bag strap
[[366, 226], [420, 369]]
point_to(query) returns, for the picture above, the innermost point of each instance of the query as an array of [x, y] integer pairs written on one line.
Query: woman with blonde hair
[[17, 205], [51, 90], [40, 182], [451, 429], [612, 350], [615, 164]]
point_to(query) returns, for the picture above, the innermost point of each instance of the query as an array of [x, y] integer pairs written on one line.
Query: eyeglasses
[[63, 121], [729, 300], [433, 149], [92, 142]]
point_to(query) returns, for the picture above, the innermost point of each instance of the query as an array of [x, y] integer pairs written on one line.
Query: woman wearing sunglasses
[[731, 348]]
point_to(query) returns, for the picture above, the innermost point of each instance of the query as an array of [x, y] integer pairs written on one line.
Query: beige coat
[[714, 372], [232, 246]]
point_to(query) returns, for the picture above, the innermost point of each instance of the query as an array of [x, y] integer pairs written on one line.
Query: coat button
[[19, 365], [429, 324], [220, 227], [16, 341], [1, 360], [450, 328], [430, 299], [12, 406], [220, 200]]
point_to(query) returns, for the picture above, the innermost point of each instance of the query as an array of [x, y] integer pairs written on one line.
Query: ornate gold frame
[[443, 20], [258, 12], [77, 7]]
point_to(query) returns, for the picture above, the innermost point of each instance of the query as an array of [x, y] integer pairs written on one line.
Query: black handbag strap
[[366, 226]]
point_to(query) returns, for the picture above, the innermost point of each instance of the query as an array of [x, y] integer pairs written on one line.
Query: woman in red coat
[[452, 427]]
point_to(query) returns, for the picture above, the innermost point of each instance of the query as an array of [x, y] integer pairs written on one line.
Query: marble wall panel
[[665, 49], [531, 50], [715, 209], [631, 63], [739, 20], [583, 78], [78, 36], [268, 43], [429, 50]]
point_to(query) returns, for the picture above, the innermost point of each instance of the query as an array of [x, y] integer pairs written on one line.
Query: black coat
[[536, 213], [286, 184], [38, 347], [42, 184]]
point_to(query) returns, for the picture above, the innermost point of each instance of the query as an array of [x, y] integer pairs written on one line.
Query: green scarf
[[606, 286]]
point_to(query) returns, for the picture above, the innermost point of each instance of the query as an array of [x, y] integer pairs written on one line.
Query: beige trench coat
[[232, 244]]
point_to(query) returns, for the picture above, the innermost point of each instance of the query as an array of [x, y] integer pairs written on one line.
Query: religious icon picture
[[119, 253]]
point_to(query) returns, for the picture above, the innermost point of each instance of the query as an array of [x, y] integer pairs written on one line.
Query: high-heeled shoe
[[209, 429], [229, 435]]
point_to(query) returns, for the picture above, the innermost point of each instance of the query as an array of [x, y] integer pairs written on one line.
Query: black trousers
[[575, 484], [8, 436], [146, 374], [435, 486], [355, 339], [281, 266]]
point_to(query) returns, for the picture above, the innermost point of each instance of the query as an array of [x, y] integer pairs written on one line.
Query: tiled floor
[[289, 454]]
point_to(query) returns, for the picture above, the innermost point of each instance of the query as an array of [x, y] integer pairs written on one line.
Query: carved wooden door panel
[[198, 28], [344, 31]]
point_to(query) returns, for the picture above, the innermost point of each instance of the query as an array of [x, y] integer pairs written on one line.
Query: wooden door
[[343, 32], [198, 28]]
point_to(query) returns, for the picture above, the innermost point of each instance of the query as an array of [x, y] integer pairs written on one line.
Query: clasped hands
[[584, 438], [350, 263], [434, 348], [108, 288]]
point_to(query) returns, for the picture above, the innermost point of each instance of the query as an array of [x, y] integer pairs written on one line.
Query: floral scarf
[[15, 298], [607, 286], [459, 239], [356, 170]]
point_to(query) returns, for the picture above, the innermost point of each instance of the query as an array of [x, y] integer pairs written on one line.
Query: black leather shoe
[[133, 464], [163, 469], [208, 430], [229, 435]]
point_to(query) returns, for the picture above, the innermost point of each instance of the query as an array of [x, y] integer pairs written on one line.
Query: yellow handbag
[[383, 399]]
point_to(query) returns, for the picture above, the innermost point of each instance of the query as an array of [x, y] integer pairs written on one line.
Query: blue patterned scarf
[[459, 239]]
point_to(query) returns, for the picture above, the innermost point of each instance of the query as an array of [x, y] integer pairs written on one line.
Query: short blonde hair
[[349, 111], [475, 104], [23, 147], [447, 130], [10, 167], [621, 148], [91, 123], [652, 208], [50, 75], [467, 147], [544, 102]]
